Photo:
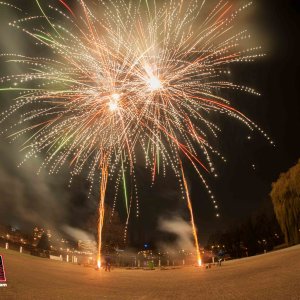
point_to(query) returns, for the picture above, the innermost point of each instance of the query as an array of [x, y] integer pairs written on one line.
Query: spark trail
[[103, 185]]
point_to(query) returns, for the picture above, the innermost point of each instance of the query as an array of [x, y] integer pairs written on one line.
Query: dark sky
[[240, 189]]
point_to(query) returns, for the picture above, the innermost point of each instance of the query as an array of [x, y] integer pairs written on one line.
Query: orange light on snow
[[199, 262]]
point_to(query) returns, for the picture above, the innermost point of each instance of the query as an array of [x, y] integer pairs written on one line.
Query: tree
[[113, 229], [252, 236], [43, 243], [285, 196]]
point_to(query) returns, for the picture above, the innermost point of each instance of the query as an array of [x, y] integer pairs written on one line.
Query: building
[[38, 232]]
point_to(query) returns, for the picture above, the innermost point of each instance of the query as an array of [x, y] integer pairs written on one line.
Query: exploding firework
[[141, 76]]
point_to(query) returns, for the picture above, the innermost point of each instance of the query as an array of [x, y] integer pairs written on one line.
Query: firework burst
[[140, 76]]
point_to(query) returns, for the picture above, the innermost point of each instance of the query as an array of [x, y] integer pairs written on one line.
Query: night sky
[[240, 189]]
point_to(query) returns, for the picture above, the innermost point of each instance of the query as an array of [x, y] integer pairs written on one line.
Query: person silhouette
[[107, 263]]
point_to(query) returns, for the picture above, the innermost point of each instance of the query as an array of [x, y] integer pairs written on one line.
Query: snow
[[275, 275]]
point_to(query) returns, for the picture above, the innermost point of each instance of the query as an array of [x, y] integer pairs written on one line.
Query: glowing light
[[98, 263], [154, 84], [113, 106], [113, 103], [116, 97], [200, 262]]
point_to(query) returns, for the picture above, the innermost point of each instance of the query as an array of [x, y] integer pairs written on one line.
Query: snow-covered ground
[[274, 275]]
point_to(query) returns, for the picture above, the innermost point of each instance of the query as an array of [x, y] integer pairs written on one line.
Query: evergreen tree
[[43, 243]]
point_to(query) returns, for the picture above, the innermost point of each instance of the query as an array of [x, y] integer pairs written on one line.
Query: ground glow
[[199, 262]]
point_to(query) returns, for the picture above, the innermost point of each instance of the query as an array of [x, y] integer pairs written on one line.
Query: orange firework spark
[[199, 261], [104, 176]]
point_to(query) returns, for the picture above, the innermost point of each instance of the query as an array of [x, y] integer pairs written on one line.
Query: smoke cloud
[[78, 234], [182, 231]]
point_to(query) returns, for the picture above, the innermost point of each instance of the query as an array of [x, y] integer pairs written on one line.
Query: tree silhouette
[[252, 236], [113, 229], [285, 196], [43, 243]]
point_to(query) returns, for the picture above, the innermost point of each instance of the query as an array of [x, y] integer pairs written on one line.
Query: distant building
[[38, 232], [13, 234]]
